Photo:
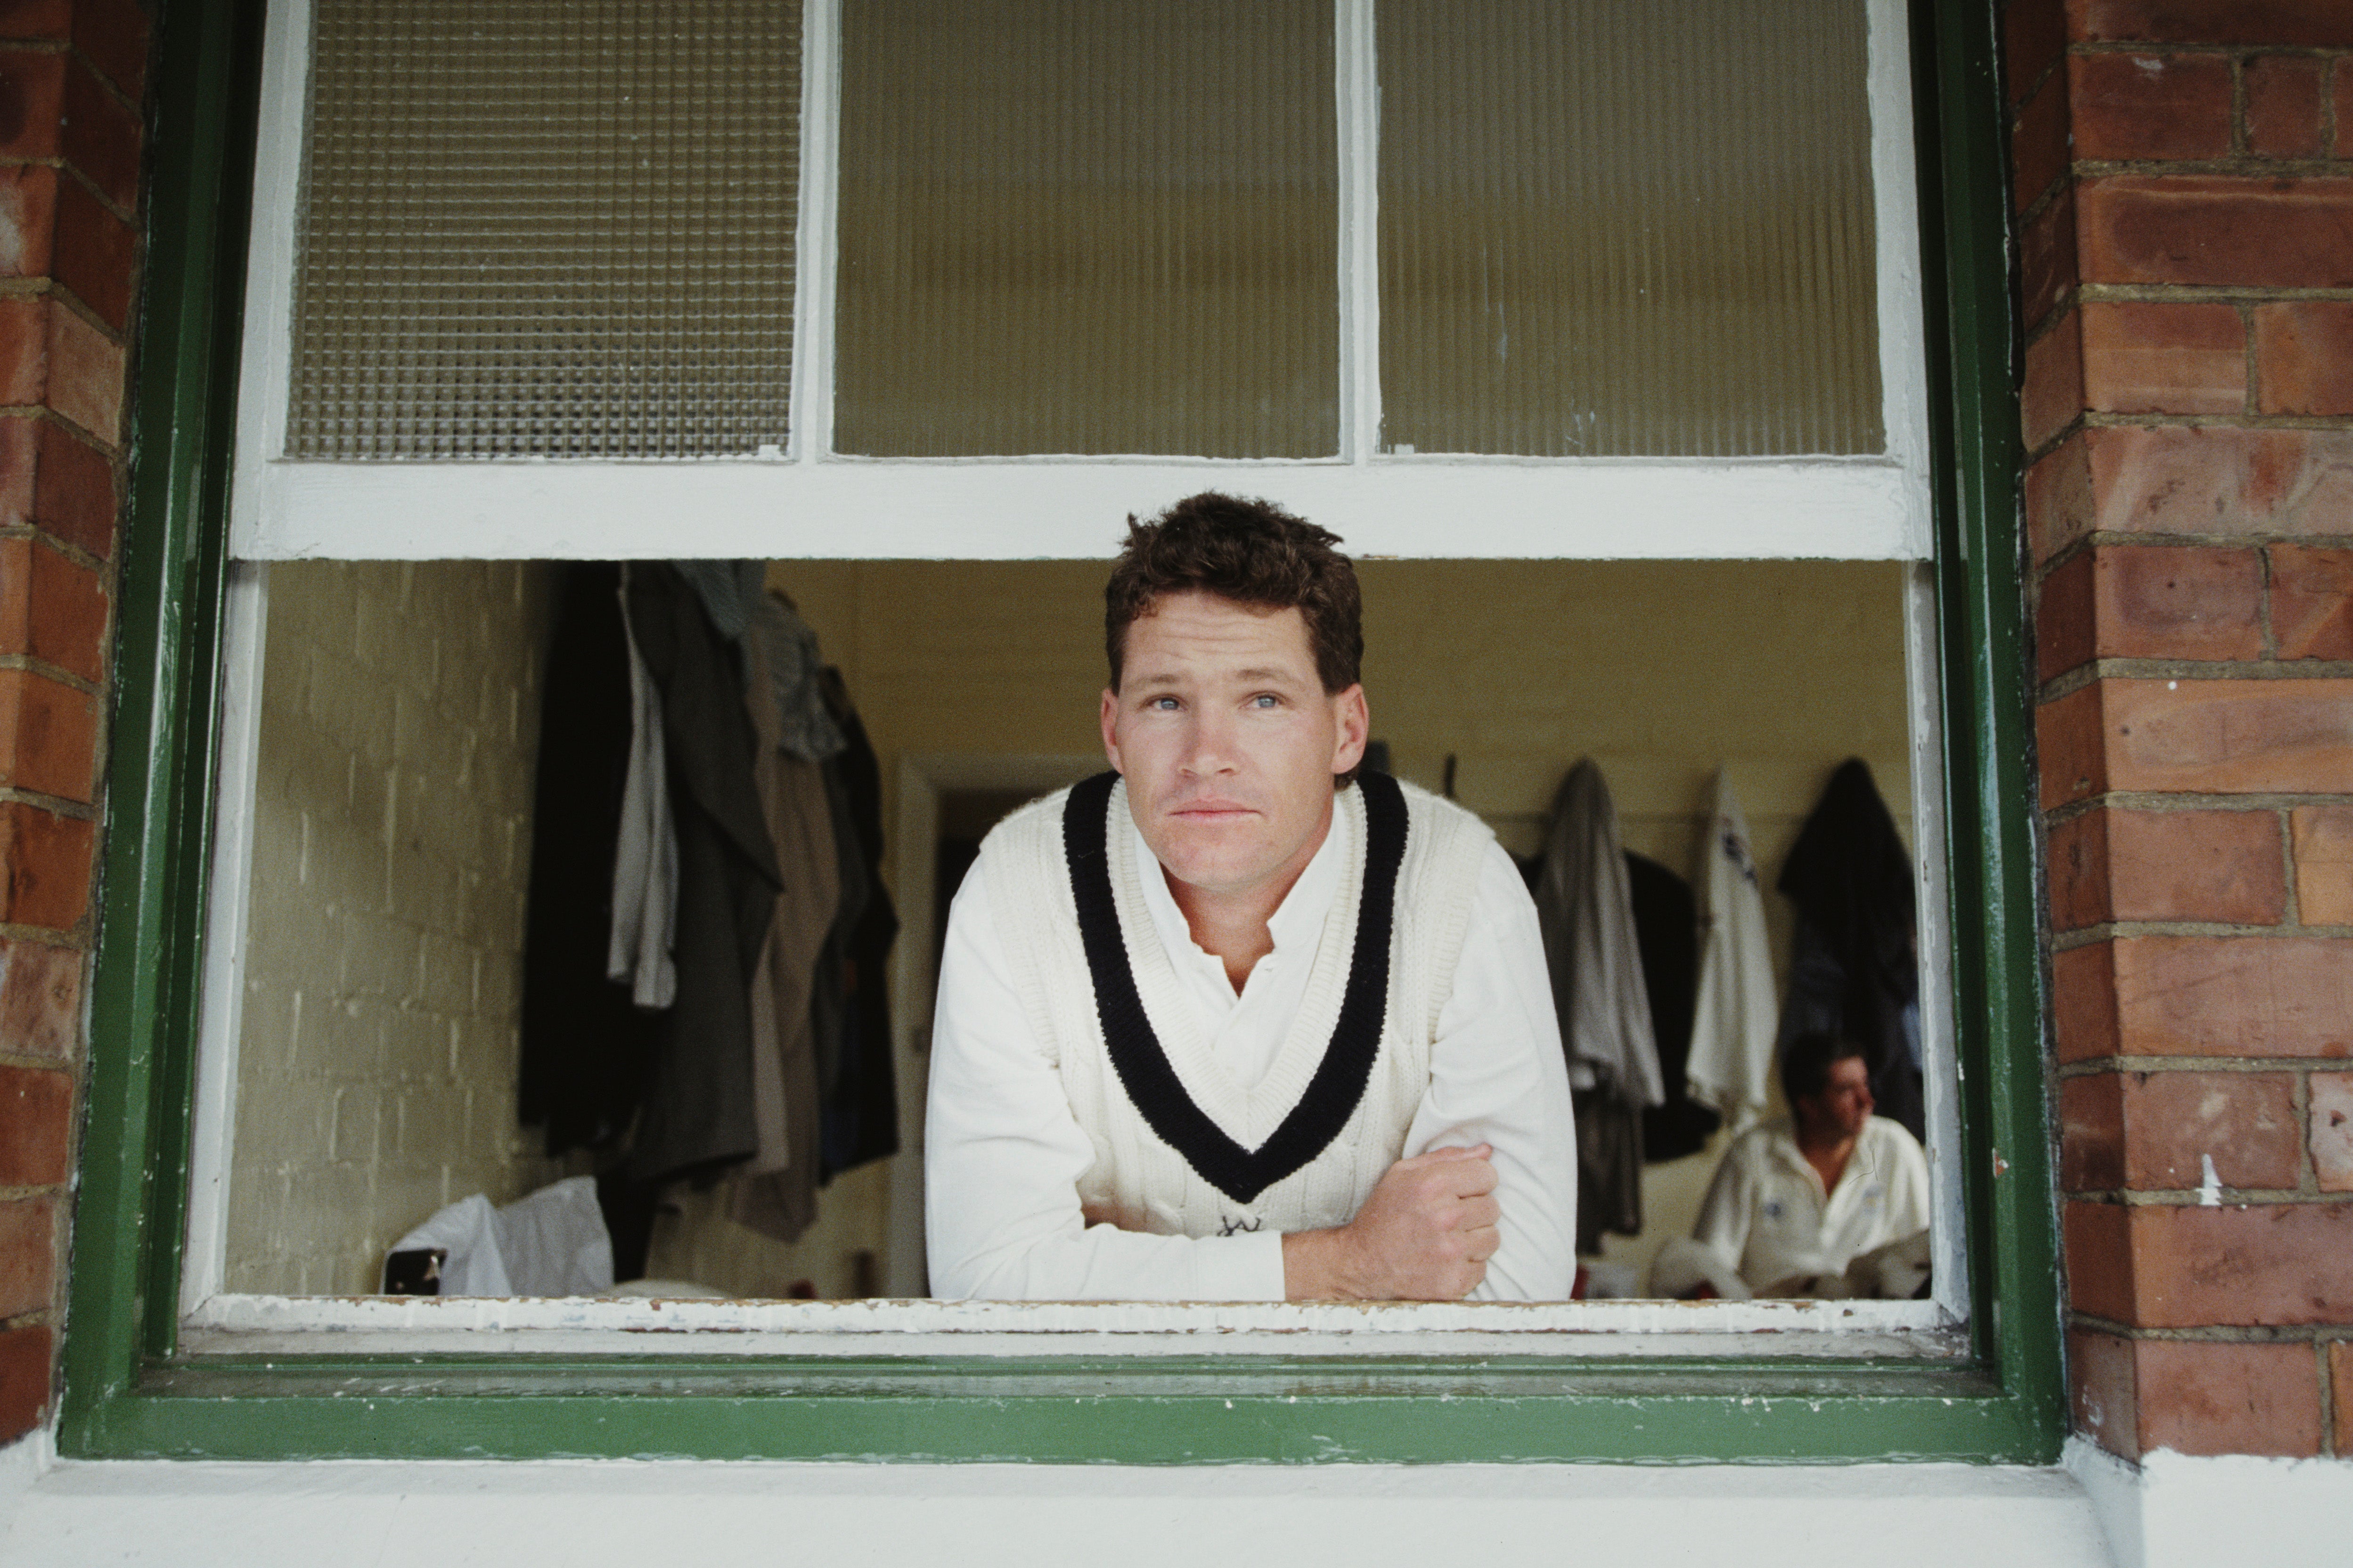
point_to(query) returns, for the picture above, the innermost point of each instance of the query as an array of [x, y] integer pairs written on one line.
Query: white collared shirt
[[1003, 1152], [1767, 1215]]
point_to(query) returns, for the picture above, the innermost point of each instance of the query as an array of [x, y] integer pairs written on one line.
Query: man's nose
[[1211, 746]]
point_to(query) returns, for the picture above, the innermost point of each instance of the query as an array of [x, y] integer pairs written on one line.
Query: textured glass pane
[[547, 229], [1073, 225], [1626, 229]]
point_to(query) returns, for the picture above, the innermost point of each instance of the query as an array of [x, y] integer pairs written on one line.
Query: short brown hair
[[1253, 552]]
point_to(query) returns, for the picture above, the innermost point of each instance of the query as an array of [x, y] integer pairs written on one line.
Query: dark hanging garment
[[862, 1096], [1666, 934], [585, 1043], [699, 1113], [1856, 969]]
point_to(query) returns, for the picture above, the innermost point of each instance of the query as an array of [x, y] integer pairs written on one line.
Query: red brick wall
[[71, 77], [2184, 177]]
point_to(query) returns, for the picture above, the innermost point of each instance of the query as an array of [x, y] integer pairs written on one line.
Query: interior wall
[[377, 1061], [1661, 671]]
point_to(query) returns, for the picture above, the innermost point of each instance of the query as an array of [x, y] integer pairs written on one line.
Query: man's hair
[[1252, 553], [1806, 1060]]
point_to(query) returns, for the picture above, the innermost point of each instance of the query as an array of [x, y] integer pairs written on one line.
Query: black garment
[[697, 1111], [1609, 1166], [1856, 971], [1666, 932], [585, 1043], [852, 996]]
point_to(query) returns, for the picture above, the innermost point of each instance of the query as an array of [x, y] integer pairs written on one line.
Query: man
[[1796, 1202], [1232, 1023]]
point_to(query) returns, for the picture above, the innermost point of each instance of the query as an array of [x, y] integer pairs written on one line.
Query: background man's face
[[1844, 1103], [1228, 740]]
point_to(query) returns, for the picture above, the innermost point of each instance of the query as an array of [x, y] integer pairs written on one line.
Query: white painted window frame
[[807, 502]]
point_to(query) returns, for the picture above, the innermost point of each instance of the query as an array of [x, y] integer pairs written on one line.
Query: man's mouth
[[1211, 810]]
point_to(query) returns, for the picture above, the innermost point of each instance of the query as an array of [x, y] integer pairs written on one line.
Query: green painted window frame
[[129, 1392]]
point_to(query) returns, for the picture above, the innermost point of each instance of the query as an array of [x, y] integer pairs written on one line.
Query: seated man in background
[[1831, 1201], [1232, 1022]]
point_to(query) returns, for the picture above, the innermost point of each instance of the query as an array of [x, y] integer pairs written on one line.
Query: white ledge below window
[[405, 1325]]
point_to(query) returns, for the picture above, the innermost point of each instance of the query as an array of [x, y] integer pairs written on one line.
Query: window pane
[[537, 230], [1613, 229], [1085, 227]]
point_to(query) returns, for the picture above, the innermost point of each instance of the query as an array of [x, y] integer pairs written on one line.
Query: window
[[133, 1392]]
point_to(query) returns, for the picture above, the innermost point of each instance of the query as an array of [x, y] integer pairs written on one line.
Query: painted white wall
[[586, 1515], [2096, 1511]]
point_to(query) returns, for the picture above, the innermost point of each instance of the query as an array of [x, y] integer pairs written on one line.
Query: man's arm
[[1497, 1078], [1003, 1155]]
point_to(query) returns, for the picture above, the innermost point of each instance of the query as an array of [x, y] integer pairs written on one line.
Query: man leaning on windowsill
[[1232, 1023]]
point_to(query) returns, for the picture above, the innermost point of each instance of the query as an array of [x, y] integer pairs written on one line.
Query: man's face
[[1845, 1104], [1228, 740]]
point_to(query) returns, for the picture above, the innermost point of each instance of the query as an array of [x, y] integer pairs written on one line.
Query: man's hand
[[1425, 1233]]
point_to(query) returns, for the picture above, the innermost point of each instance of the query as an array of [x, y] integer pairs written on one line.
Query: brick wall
[[380, 1045], [71, 76], [2184, 177]]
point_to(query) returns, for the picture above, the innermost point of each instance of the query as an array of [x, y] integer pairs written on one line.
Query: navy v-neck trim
[[1142, 1063]]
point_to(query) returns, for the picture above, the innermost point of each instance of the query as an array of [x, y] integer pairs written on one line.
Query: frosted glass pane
[[1067, 226], [544, 230], [1626, 229]]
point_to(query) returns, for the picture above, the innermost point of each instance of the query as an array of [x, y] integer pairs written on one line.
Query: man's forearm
[[1316, 1267]]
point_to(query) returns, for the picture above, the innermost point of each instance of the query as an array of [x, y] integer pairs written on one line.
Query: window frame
[[801, 498], [132, 1389]]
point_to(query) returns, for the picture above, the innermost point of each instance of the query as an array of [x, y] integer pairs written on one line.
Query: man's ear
[[1110, 722], [1354, 722]]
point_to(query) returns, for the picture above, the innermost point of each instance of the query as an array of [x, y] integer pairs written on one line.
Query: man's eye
[[1162, 705], [1265, 699]]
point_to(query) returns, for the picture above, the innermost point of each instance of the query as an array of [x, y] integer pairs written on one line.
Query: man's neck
[[1826, 1152], [1232, 924]]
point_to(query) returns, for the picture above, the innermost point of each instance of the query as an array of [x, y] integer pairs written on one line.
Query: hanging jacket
[[1738, 1012], [1856, 972], [699, 1111]]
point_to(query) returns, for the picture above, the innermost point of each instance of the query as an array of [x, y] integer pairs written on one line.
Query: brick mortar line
[[2236, 167], [55, 804], [33, 1062], [44, 936], [2214, 1333], [2291, 907], [128, 216], [2188, 1198], [2125, 47], [2308, 1178], [36, 1319], [2102, 419], [2328, 1417], [2238, 66], [2045, 200], [2058, 438], [113, 89], [121, 214], [2107, 930], [47, 287], [2100, 1067], [2052, 67], [71, 551], [43, 668], [2061, 309], [2108, 539], [2067, 682], [2164, 800], [2206, 294], [42, 411], [2211, 671]]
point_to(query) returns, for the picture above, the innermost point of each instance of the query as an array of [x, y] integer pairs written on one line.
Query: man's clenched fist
[[1425, 1233]]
